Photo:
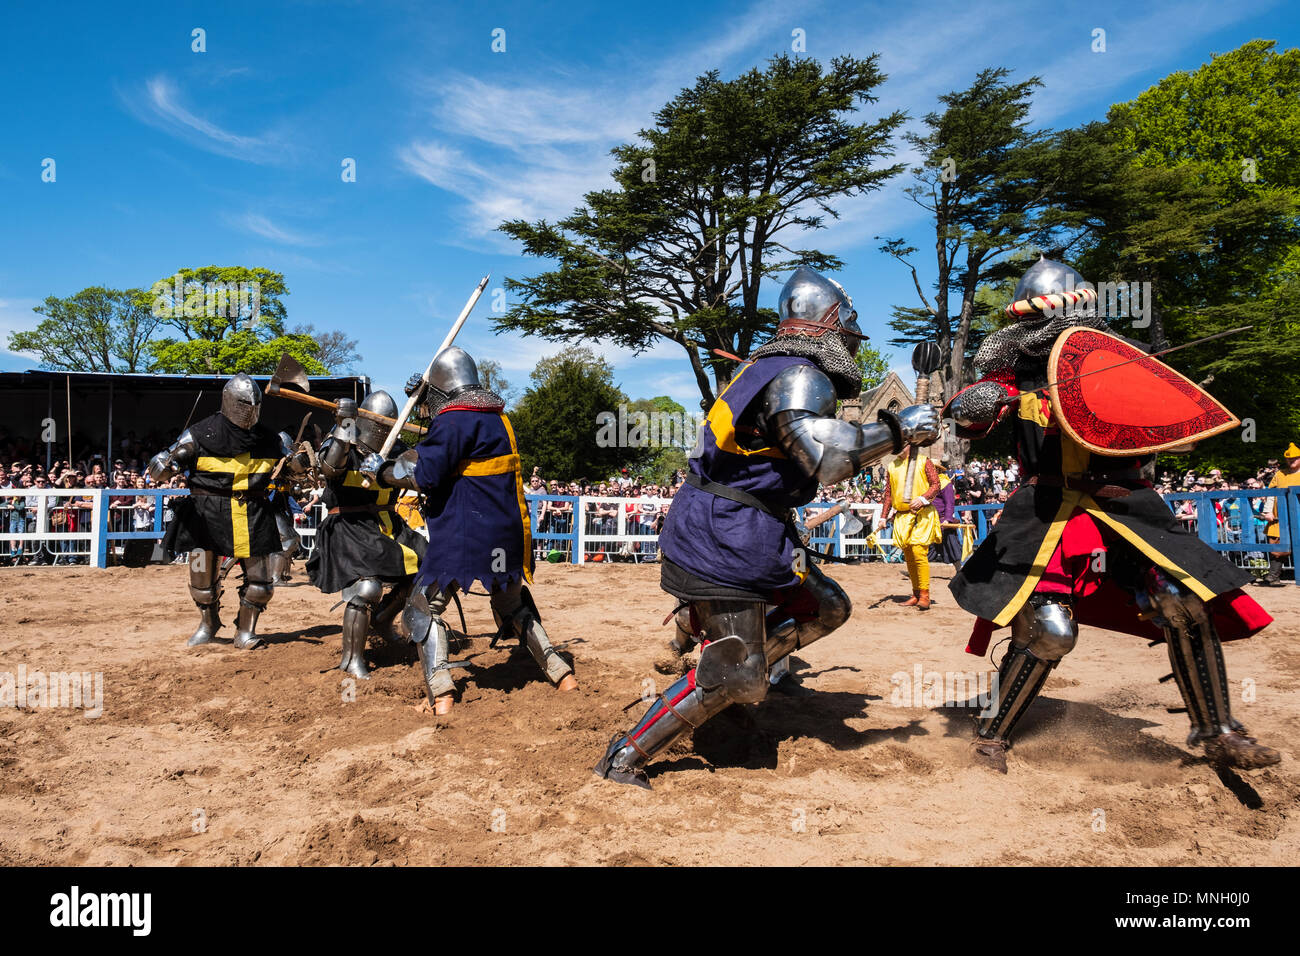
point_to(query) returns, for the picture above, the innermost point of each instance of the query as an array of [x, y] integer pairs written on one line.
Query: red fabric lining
[[1099, 602]]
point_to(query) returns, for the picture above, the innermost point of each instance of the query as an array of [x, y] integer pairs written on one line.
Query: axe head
[[289, 371]]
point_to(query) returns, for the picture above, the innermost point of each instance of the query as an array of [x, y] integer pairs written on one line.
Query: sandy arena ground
[[260, 753]]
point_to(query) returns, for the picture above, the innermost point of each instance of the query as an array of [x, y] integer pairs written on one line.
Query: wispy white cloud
[[160, 103], [16, 315], [260, 225]]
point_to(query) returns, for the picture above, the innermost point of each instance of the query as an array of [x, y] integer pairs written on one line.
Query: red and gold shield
[[1116, 400]]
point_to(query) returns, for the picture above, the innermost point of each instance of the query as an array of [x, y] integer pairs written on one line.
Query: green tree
[[671, 437], [231, 319], [556, 420], [491, 377], [334, 350], [240, 351], [708, 203], [1168, 202], [985, 179], [874, 364], [96, 330]]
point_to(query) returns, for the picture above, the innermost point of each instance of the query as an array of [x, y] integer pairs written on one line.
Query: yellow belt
[[495, 465]]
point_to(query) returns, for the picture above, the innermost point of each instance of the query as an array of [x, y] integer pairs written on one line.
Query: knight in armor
[[1085, 538], [730, 552], [229, 457], [363, 545], [467, 468]]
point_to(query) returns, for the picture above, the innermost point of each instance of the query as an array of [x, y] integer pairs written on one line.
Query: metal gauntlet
[[183, 453], [977, 405]]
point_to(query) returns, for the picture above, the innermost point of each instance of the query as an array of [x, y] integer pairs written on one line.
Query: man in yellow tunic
[[1287, 476], [916, 522]]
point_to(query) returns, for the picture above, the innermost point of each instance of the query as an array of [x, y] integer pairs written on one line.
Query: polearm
[[418, 394], [926, 359]]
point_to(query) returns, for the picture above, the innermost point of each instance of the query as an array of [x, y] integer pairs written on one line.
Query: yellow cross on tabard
[[240, 468]]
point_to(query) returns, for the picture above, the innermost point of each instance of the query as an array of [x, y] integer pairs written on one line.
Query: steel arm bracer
[[183, 453], [400, 472], [333, 457], [799, 414]]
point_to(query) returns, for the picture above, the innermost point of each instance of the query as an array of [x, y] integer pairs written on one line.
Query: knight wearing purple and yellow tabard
[[730, 554], [1086, 538], [467, 468]]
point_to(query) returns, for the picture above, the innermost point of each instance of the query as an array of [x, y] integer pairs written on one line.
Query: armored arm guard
[[977, 408], [333, 457], [297, 461], [180, 456], [397, 473], [799, 418]]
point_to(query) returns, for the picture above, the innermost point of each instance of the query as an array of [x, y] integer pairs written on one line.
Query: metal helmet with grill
[[371, 434], [811, 304], [241, 401], [453, 371]]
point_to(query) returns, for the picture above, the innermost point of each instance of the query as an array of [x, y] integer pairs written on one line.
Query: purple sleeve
[[947, 503]]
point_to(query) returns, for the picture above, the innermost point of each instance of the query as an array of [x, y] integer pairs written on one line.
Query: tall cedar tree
[[713, 199], [985, 180]]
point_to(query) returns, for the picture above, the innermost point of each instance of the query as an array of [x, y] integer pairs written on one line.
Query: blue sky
[[168, 158]]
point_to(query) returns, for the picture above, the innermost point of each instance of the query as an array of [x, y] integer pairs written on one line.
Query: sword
[[414, 399]]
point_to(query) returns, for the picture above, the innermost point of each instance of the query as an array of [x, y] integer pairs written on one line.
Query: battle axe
[[291, 372]]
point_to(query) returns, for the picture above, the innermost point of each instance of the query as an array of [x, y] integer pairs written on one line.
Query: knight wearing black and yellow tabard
[[467, 468], [1086, 539], [363, 543], [229, 457]]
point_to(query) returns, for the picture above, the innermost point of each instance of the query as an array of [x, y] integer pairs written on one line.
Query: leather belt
[[733, 494], [1096, 488], [233, 495], [360, 509]]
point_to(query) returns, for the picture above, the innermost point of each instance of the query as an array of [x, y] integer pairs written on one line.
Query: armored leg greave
[[1041, 634], [1195, 654], [205, 589], [423, 617], [733, 668], [385, 615], [515, 606], [278, 566], [362, 596], [785, 635], [254, 596], [683, 638]]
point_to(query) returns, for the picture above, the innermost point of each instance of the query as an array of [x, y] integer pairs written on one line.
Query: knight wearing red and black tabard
[[1086, 539], [730, 552], [467, 469]]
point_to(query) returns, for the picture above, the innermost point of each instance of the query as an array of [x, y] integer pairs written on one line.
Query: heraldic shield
[[1113, 399]]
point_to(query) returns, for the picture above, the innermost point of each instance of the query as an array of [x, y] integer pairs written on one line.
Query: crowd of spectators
[[22, 468], [643, 501]]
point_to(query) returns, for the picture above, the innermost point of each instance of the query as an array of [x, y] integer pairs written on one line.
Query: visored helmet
[[371, 434], [241, 401]]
